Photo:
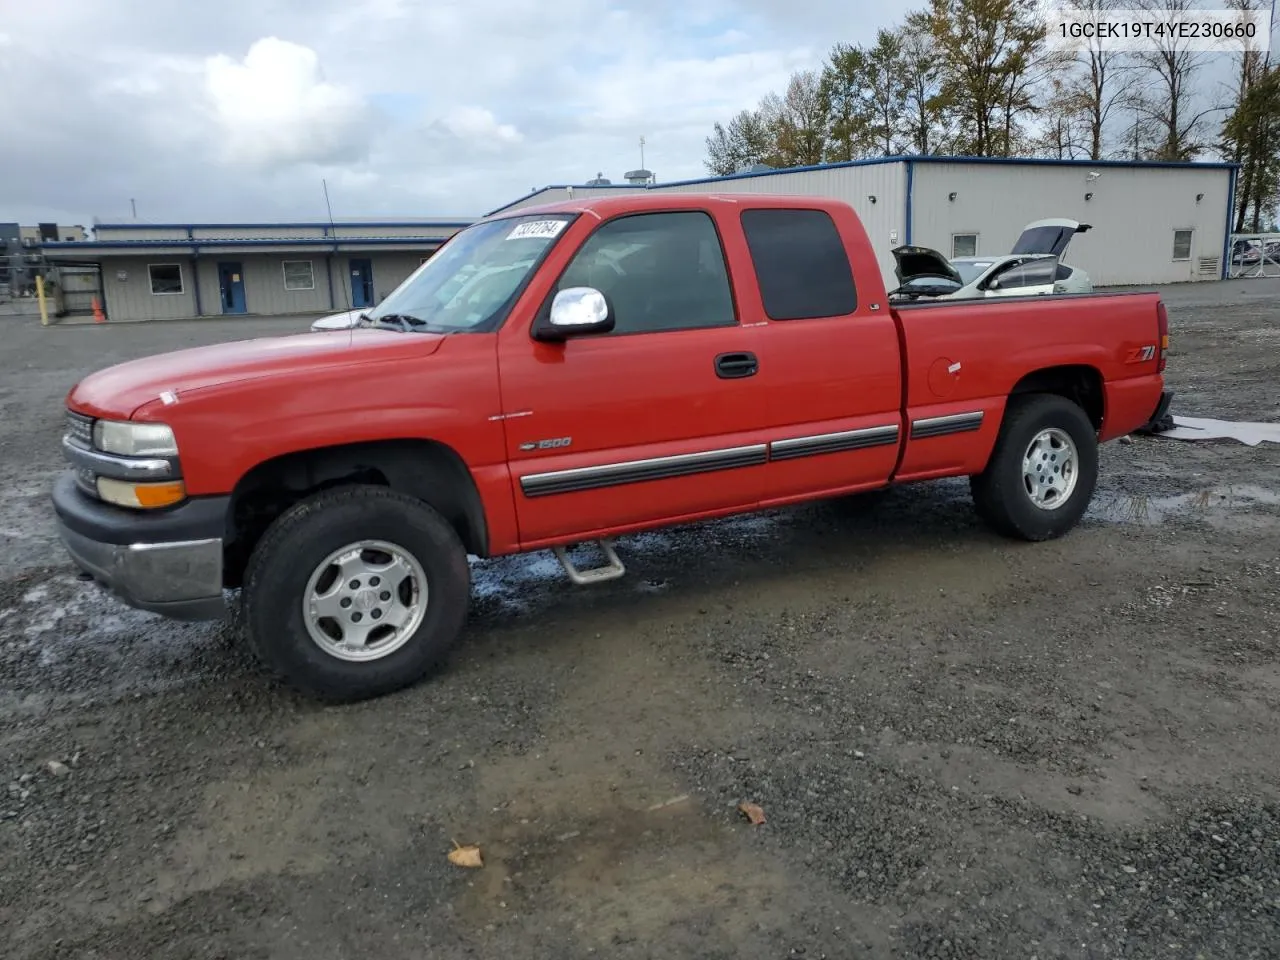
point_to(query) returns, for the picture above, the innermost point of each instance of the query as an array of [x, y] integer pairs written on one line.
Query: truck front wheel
[[1043, 470], [356, 592]]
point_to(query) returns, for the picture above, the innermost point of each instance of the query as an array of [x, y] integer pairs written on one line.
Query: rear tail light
[[1162, 329]]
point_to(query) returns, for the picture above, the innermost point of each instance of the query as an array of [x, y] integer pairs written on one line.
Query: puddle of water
[[1213, 504]]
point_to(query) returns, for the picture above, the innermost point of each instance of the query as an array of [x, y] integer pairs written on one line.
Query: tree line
[[978, 78]]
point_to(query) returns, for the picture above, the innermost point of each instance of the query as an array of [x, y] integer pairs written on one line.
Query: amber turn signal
[[145, 495]]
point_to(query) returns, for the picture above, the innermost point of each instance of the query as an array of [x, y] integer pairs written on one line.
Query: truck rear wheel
[[356, 592], [1043, 470]]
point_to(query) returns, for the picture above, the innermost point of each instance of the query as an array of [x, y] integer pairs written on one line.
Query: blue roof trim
[[291, 225], [839, 165], [332, 242], [930, 158], [1055, 162]]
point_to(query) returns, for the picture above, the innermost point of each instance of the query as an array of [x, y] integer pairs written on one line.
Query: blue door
[[231, 285], [362, 283]]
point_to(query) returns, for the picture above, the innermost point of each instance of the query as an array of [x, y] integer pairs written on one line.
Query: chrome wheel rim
[[365, 600], [1050, 468]]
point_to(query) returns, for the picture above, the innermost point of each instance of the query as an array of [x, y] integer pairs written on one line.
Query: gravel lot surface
[[964, 747]]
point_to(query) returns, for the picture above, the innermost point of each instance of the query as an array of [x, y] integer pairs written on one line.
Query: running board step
[[610, 571]]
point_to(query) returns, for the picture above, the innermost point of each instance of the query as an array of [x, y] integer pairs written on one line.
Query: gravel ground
[[964, 747]]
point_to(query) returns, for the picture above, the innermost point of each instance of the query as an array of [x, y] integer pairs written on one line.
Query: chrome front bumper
[[167, 564]]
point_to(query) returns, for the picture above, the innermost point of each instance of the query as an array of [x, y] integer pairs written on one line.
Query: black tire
[[296, 544], [999, 493]]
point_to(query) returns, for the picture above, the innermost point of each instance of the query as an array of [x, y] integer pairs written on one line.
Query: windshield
[[970, 270], [474, 277]]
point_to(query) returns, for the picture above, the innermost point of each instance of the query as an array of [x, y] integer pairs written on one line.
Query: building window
[[165, 278], [298, 275], [801, 264], [1182, 244], [964, 245]]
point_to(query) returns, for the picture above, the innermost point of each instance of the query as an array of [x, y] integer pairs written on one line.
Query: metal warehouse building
[[1152, 222], [173, 271]]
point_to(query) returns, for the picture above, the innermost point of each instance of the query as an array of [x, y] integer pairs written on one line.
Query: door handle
[[731, 366]]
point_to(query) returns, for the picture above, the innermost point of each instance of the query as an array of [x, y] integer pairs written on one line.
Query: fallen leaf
[[753, 812], [468, 856]]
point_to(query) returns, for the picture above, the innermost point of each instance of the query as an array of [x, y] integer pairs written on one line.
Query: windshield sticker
[[537, 229]]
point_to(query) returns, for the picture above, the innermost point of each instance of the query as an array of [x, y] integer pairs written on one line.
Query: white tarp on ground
[[1197, 428]]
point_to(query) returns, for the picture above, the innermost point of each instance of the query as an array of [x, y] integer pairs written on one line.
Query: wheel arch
[[428, 470], [1080, 383]]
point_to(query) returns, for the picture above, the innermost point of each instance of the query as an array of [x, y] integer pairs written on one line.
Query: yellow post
[[44, 304]]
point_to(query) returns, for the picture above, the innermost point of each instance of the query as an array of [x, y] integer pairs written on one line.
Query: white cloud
[[236, 110], [480, 127], [275, 107]]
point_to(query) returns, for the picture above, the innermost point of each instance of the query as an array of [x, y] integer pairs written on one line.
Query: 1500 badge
[[553, 444]]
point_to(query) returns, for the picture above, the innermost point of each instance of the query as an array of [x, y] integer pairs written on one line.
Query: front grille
[[80, 429], [80, 432]]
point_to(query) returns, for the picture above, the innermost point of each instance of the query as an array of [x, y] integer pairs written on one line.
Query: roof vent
[[600, 181]]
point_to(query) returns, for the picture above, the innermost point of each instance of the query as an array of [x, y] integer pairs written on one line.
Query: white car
[[1034, 266]]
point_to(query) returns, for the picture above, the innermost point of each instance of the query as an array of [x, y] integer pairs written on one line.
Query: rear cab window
[[801, 264]]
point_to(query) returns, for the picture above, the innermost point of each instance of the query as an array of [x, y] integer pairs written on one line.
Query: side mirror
[[575, 311]]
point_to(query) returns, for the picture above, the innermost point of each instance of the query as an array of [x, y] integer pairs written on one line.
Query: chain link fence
[[1254, 255]]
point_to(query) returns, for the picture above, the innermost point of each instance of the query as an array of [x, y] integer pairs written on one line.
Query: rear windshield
[[1043, 240]]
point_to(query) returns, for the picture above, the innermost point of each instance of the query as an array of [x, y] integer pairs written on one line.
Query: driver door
[[656, 420]]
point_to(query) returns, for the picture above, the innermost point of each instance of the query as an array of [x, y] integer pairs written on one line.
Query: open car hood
[[1048, 236], [913, 262]]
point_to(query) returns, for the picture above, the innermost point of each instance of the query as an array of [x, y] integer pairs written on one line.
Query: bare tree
[[1245, 130], [1065, 134], [867, 93], [991, 52], [1169, 98], [799, 120], [1099, 83], [923, 114], [744, 141]]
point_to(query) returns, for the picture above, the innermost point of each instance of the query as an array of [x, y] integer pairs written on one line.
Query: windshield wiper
[[402, 321]]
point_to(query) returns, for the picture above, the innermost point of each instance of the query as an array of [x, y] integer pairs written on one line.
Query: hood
[[120, 390], [1048, 236], [913, 262]]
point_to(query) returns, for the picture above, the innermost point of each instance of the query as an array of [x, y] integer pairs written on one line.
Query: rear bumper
[[1131, 404], [168, 563]]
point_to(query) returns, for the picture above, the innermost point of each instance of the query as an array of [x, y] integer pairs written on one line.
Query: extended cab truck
[[568, 374]]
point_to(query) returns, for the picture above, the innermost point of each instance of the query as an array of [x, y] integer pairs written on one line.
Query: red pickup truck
[[563, 375]]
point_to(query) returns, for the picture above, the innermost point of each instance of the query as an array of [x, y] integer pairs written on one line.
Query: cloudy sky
[[237, 109]]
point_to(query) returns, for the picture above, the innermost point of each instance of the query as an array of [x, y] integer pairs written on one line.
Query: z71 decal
[[1141, 354]]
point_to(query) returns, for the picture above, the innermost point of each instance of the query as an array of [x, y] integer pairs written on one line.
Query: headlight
[[129, 439]]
